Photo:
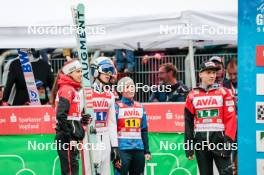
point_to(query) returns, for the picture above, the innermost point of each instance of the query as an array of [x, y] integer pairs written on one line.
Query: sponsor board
[[42, 119]]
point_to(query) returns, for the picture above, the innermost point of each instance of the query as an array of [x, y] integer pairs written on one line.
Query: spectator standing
[[231, 83], [168, 77], [220, 74], [41, 71], [125, 60]]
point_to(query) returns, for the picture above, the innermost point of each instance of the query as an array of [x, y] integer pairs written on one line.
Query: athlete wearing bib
[[105, 121], [132, 131], [210, 123], [71, 123]]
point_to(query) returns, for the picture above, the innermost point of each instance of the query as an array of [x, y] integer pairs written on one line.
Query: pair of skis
[[79, 22], [29, 77]]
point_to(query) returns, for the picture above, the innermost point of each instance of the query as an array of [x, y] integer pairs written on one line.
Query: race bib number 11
[[132, 123]]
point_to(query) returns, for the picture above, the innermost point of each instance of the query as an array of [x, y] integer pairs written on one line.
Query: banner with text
[[36, 154], [42, 119]]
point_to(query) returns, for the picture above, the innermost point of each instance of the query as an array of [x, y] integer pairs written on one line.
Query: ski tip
[[80, 6]]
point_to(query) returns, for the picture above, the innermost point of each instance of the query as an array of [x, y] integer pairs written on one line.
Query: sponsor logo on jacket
[[101, 103], [208, 101], [128, 113]]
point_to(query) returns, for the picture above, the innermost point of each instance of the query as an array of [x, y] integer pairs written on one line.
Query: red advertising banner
[[162, 117], [165, 117], [27, 120], [259, 55]]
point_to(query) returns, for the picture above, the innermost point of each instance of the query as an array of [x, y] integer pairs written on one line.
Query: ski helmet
[[102, 65]]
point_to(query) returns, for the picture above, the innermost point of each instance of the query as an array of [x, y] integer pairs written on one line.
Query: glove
[[5, 104], [86, 119], [115, 155], [27, 103], [115, 158], [148, 156], [226, 152], [188, 151], [118, 165]]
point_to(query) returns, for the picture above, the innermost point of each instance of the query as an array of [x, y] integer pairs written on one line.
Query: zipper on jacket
[[207, 136], [73, 127]]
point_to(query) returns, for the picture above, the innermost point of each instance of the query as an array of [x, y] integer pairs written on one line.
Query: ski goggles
[[107, 69]]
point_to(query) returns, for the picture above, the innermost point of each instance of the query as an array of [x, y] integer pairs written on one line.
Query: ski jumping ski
[[29, 77], [79, 22]]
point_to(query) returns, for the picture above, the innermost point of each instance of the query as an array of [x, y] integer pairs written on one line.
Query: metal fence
[[57, 64], [146, 73]]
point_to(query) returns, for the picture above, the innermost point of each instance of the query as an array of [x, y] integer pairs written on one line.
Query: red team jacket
[[69, 106], [212, 110]]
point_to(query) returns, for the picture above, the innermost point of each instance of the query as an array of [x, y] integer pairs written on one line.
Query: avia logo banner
[[208, 101]]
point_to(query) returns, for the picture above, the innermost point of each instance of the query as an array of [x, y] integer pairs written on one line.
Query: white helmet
[[102, 65]]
